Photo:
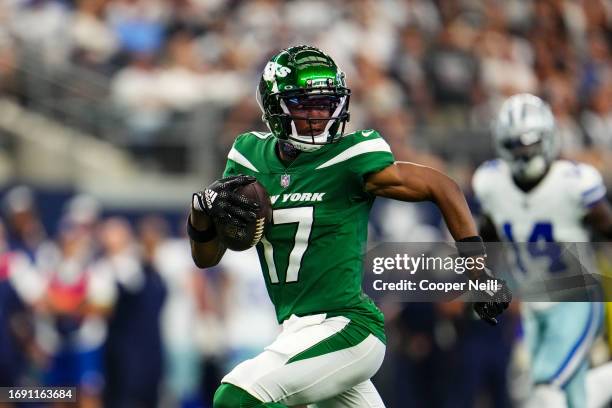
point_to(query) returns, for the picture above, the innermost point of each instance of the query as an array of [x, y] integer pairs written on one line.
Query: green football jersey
[[312, 253]]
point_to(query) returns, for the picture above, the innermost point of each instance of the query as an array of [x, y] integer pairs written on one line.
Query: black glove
[[223, 205], [499, 301]]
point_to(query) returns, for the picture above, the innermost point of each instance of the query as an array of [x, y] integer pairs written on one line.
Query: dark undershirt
[[285, 156]]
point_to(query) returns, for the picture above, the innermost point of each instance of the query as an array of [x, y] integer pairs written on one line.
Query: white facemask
[[319, 139]]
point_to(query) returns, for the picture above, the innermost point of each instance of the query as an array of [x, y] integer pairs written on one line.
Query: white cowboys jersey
[[551, 212]]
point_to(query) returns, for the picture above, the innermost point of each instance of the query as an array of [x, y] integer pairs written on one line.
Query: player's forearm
[[204, 254], [452, 204], [208, 254], [407, 181]]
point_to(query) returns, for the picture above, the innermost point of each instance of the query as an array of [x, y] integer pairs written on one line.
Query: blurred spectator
[[83, 210], [256, 22], [141, 106], [558, 91], [378, 93], [8, 63], [423, 15], [505, 69], [412, 368], [409, 69], [25, 231], [43, 27], [548, 34], [597, 67], [479, 372], [181, 82], [187, 81], [596, 121], [134, 348], [453, 69], [180, 313], [195, 15], [597, 118], [12, 354], [18, 286], [72, 328], [94, 41], [139, 24]]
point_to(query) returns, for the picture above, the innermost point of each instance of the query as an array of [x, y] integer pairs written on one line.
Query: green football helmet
[[303, 76]]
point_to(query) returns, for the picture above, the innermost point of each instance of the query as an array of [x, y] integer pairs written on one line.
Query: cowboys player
[[530, 196], [322, 185]]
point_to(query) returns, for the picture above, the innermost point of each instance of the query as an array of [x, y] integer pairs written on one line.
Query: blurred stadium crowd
[[118, 308], [427, 73], [118, 311]]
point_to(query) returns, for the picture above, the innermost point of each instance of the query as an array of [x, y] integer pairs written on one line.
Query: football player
[[528, 195], [322, 185]]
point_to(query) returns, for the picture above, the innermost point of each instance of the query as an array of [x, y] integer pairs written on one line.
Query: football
[[241, 239]]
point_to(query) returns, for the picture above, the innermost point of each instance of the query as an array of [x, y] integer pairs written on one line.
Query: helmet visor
[[306, 103]]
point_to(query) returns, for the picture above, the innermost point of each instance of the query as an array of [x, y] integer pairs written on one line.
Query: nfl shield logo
[[284, 181]]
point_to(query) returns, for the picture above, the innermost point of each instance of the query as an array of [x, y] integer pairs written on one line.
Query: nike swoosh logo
[[367, 133]]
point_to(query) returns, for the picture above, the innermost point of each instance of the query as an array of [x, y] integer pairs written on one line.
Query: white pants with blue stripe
[[559, 338]]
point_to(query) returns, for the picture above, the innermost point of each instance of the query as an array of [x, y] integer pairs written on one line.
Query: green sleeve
[[376, 154], [244, 156], [230, 169]]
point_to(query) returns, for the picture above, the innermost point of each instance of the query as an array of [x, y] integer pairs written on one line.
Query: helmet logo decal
[[274, 69]]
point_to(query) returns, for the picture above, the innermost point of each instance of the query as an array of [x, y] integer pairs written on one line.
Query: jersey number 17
[[303, 216]]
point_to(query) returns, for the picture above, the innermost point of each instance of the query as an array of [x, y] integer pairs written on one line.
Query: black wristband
[[470, 246], [200, 236]]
